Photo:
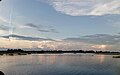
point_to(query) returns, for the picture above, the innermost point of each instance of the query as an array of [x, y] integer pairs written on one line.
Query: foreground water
[[66, 64]]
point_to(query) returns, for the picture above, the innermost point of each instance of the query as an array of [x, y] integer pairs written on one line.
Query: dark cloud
[[3, 27], [119, 33], [42, 28], [51, 30], [19, 37], [97, 39], [31, 25], [54, 31]]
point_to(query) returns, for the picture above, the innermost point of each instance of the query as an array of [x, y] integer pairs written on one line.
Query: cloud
[[41, 28], [4, 28], [3, 20], [31, 25], [20, 37], [90, 42], [2, 32], [64, 45], [86, 7], [97, 39]]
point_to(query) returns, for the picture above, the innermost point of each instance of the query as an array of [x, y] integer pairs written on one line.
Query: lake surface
[[55, 64]]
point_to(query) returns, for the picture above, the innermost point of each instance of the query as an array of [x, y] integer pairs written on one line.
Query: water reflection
[[55, 64], [102, 57]]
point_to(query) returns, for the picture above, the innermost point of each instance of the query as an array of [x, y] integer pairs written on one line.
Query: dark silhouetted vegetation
[[116, 56], [23, 52]]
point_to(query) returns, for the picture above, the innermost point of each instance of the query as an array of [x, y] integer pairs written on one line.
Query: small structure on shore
[[116, 56]]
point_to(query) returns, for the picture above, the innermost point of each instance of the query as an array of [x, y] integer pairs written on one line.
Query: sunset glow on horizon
[[56, 24]]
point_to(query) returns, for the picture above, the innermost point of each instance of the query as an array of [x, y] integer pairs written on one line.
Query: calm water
[[60, 65]]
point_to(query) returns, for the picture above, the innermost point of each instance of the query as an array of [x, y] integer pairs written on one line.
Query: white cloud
[[3, 26], [2, 32], [86, 7], [2, 20]]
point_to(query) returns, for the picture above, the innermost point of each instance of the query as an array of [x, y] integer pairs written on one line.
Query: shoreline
[[12, 52], [29, 53]]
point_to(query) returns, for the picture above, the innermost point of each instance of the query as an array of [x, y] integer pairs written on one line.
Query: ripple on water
[[59, 65]]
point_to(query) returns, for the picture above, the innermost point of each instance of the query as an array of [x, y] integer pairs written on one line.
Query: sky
[[60, 24]]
